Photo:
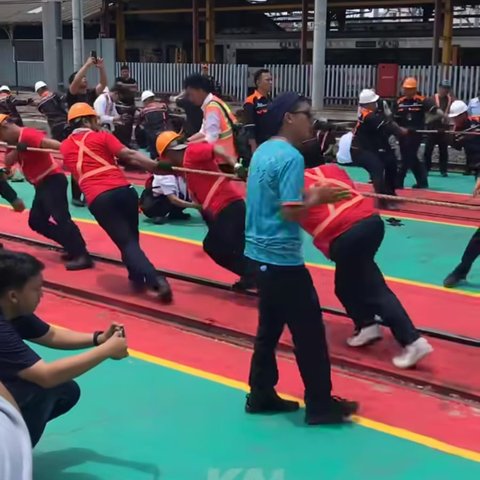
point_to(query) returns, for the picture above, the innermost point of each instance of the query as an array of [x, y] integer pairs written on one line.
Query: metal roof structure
[[28, 12]]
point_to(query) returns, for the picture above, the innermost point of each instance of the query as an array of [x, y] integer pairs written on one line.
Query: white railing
[[169, 77]]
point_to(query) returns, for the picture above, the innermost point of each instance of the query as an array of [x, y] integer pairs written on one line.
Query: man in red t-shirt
[[221, 198], [90, 154], [50, 183], [350, 233]]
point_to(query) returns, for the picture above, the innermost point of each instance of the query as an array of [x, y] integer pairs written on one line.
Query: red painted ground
[[448, 421], [447, 367], [427, 307]]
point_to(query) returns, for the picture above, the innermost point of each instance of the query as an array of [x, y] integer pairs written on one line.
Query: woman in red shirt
[[350, 233], [50, 183], [90, 155], [221, 199]]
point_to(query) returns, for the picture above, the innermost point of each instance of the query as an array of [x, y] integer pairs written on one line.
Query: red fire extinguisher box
[[387, 80]]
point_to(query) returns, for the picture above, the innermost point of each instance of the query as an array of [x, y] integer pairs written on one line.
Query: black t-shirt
[[15, 354], [88, 97], [194, 116]]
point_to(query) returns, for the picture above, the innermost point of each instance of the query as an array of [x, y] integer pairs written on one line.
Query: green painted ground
[[418, 251], [139, 421]]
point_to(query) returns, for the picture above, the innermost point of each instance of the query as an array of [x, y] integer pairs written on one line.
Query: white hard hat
[[147, 94], [4, 88], [367, 96], [40, 85], [457, 108]]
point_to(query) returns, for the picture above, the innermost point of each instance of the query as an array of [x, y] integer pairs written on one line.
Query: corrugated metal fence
[[169, 77], [342, 82]]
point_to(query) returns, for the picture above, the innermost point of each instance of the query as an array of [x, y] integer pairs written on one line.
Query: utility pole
[[52, 44], [77, 34], [319, 46]]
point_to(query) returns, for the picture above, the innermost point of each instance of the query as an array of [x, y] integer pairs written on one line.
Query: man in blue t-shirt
[[43, 391], [275, 203]]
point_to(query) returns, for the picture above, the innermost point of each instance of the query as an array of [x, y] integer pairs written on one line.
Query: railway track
[[200, 326]]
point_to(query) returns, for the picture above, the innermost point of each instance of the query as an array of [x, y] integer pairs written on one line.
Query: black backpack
[[241, 138]]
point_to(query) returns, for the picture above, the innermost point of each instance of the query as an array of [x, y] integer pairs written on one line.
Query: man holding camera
[[43, 390]]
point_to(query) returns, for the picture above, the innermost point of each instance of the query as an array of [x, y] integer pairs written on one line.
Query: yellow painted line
[[364, 422], [314, 265]]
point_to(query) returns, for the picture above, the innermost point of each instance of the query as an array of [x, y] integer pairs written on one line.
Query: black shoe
[[244, 284], [339, 412], [80, 263], [67, 257], [419, 186], [453, 279], [270, 403], [444, 174], [159, 220], [78, 203], [164, 291], [179, 216]]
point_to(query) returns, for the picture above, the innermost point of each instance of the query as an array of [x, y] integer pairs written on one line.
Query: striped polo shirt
[[275, 178]]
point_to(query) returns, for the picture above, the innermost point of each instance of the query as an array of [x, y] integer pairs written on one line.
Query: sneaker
[[453, 279], [366, 336], [159, 220], [413, 353], [339, 412], [271, 403], [418, 186], [80, 263], [179, 216]]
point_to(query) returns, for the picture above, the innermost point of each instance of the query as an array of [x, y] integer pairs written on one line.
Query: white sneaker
[[413, 353], [365, 336]]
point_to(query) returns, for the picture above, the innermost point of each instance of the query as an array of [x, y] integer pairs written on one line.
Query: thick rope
[[29, 149]]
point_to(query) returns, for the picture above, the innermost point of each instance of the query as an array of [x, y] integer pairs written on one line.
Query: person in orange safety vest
[[50, 201], [90, 155], [350, 233]]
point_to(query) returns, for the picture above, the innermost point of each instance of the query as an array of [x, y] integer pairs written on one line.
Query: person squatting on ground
[[370, 148], [43, 390], [220, 199], [50, 200], [276, 201], [90, 155], [15, 445], [165, 198], [350, 232]]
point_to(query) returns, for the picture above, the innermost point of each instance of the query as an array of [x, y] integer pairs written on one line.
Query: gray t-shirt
[[15, 444]]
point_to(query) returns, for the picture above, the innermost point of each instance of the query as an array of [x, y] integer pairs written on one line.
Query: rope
[[450, 132], [29, 149]]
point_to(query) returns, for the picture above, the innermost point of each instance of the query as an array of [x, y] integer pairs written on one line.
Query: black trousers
[[158, 207], [409, 146], [472, 252], [439, 139], [51, 201], [381, 166], [58, 132], [287, 296], [359, 283], [76, 190], [116, 211], [225, 240], [41, 405]]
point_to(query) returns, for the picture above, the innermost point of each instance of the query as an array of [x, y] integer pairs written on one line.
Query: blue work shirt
[[275, 179]]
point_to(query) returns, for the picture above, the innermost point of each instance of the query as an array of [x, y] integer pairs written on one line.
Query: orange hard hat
[[78, 110], [3, 117], [169, 140], [410, 82]]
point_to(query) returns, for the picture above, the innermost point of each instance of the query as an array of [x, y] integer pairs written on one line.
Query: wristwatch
[[95, 337]]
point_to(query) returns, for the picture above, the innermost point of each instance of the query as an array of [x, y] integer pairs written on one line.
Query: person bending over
[[43, 390]]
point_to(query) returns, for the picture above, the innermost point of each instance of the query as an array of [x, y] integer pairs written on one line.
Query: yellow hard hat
[[168, 140], [78, 110], [410, 82]]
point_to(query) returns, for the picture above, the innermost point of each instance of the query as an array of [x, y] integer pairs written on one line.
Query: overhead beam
[[290, 7]]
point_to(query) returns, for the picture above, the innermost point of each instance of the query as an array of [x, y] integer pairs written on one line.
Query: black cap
[[279, 107]]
